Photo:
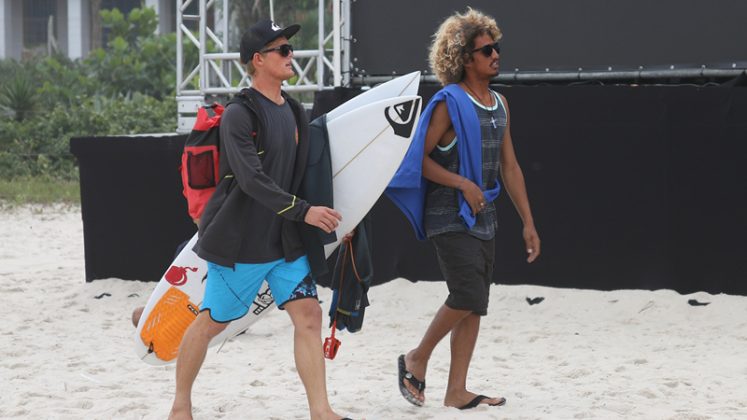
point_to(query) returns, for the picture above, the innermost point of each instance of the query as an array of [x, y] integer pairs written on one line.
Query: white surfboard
[[367, 145], [373, 140], [175, 303], [406, 85]]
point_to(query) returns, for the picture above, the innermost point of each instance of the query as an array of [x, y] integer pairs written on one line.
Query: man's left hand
[[532, 241]]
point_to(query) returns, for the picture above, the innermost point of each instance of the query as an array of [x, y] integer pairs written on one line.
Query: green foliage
[[138, 24], [18, 95], [40, 146], [135, 60], [141, 114], [63, 81], [38, 190], [302, 12], [147, 67], [125, 88]]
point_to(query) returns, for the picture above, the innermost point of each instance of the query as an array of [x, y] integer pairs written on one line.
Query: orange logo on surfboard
[[177, 275]]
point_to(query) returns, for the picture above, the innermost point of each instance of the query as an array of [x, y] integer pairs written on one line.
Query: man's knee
[[306, 314], [206, 326]]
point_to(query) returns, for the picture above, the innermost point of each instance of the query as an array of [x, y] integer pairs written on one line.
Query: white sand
[[579, 354]]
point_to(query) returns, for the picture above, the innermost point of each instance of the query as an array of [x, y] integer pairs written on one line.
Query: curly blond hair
[[454, 40]]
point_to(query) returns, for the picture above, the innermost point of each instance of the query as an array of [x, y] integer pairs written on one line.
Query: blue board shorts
[[230, 291]]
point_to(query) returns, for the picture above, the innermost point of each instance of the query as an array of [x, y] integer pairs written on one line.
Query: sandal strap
[[415, 382]]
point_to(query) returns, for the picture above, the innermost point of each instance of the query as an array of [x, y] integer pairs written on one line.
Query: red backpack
[[200, 167], [201, 159]]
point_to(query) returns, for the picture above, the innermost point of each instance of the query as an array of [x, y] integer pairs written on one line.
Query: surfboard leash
[[332, 344]]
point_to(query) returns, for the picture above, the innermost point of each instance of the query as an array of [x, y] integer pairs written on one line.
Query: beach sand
[[627, 354]]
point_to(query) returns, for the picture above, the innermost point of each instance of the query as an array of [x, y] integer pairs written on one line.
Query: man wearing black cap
[[249, 229]]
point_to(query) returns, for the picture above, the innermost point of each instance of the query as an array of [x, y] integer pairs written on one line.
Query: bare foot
[[136, 314], [179, 413], [327, 415]]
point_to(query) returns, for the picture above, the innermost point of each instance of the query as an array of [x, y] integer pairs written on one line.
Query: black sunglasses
[[284, 50], [487, 50]]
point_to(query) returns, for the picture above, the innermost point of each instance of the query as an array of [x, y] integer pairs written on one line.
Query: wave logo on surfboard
[[405, 112], [177, 275]]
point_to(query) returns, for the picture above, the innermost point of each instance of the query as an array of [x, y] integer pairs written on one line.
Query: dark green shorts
[[467, 265]]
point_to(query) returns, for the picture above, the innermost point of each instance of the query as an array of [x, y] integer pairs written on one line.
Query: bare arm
[[513, 181], [440, 131]]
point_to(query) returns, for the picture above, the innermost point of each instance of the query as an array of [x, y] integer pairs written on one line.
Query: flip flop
[[416, 383], [478, 399]]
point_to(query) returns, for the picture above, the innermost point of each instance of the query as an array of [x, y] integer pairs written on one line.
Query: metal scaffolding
[[219, 71], [517, 77]]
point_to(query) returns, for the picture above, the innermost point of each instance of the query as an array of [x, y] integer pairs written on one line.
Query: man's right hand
[[324, 218], [473, 195]]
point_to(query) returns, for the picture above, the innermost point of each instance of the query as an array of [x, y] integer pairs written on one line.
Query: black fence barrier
[[640, 188], [134, 214], [631, 187]]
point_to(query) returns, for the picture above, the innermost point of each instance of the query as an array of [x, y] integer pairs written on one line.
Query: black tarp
[[393, 36], [134, 214], [631, 187]]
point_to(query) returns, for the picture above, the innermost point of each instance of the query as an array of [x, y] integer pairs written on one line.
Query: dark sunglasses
[[284, 50], [487, 50]]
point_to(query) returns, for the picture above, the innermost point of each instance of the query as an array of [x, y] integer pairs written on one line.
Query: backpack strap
[[245, 98]]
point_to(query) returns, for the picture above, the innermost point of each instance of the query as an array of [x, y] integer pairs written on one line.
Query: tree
[[19, 96], [136, 59], [96, 35], [303, 12]]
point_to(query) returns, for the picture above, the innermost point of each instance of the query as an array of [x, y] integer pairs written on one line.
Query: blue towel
[[408, 187]]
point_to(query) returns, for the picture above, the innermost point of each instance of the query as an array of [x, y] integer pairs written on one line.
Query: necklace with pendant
[[492, 117]]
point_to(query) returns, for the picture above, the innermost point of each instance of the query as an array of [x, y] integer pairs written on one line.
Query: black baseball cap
[[261, 34]]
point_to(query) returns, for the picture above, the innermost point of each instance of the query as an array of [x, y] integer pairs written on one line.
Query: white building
[[27, 26]]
